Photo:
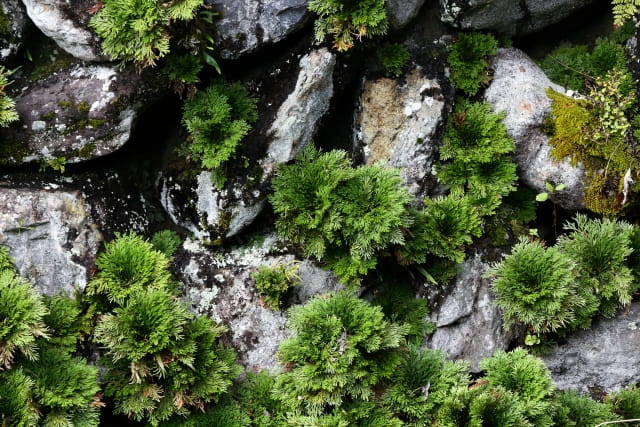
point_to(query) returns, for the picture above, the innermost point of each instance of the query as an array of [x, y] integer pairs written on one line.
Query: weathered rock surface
[[602, 359], [219, 285], [13, 28], [397, 125], [51, 235], [518, 89], [247, 25], [79, 113], [212, 213], [507, 16], [401, 12], [66, 22], [469, 325]]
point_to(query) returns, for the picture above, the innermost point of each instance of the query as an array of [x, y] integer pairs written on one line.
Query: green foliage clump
[[574, 410], [22, 311], [217, 119], [340, 214], [139, 30], [626, 402], [162, 361], [8, 112], [182, 71], [393, 57], [600, 249], [16, 400], [574, 66], [128, 265], [422, 383], [468, 61], [65, 389], [258, 400], [535, 286], [6, 263], [442, 228], [66, 322], [225, 413], [166, 242], [527, 378], [345, 20], [342, 347], [273, 282], [478, 146], [623, 10]]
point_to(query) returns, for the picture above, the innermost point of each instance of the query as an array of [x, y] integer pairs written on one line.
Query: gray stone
[[66, 23], [78, 113], [213, 213], [50, 234], [518, 89], [219, 284], [469, 325], [401, 12], [507, 16], [13, 15], [247, 25], [397, 125], [604, 358]]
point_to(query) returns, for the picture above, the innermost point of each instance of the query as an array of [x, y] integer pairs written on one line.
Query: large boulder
[[401, 12], [66, 22], [213, 213], [397, 124], [602, 359], [518, 89], [13, 28], [218, 284], [507, 16], [469, 325], [78, 113], [51, 235], [247, 25]]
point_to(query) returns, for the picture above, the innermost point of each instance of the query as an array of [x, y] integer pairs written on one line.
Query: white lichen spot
[[38, 126]]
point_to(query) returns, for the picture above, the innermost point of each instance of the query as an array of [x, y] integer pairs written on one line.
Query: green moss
[[5, 23], [64, 103], [84, 152], [44, 64], [83, 107], [48, 116], [83, 124], [12, 152]]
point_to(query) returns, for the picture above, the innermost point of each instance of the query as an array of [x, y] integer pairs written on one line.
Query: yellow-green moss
[[83, 107], [572, 118], [5, 23], [603, 195]]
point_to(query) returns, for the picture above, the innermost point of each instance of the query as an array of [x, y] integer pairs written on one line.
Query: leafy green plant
[[623, 10], [166, 242], [468, 61], [182, 71], [65, 389], [572, 409], [342, 347], [16, 400], [477, 143], [527, 378], [535, 286], [257, 399], [551, 190], [6, 263], [600, 249], [217, 119], [346, 20], [273, 282], [8, 112], [139, 30], [626, 402], [161, 360], [22, 312], [129, 264], [66, 322], [342, 215], [393, 57]]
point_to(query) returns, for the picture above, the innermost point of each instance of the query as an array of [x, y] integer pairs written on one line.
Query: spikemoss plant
[[348, 20], [22, 312], [8, 112], [393, 57], [139, 30], [342, 347], [129, 264], [273, 282], [217, 119], [161, 360], [16, 400], [535, 286], [468, 61]]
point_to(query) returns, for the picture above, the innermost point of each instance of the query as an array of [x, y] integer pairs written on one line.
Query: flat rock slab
[[51, 236], [602, 359]]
